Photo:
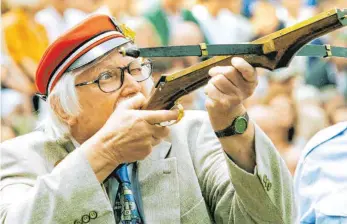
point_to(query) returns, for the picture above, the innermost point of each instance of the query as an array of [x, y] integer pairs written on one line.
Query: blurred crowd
[[290, 104]]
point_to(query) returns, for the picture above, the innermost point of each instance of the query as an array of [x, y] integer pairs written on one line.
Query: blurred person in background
[[121, 9], [335, 106], [80, 9], [53, 17], [264, 25], [271, 122], [291, 12], [60, 15], [6, 132], [340, 114], [13, 79], [23, 43], [283, 79], [287, 118], [311, 118], [261, 90], [16, 104], [284, 122], [25, 40], [311, 115], [247, 7], [127, 11], [222, 22], [165, 17], [278, 114]]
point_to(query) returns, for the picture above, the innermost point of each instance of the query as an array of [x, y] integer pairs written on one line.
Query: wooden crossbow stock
[[278, 49]]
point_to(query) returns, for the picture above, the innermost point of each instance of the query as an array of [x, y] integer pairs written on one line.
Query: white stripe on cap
[[79, 50], [97, 52]]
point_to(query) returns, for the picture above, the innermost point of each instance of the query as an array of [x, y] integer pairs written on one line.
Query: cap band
[[75, 48], [80, 52], [97, 52]]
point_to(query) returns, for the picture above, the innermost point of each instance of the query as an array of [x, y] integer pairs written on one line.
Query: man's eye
[[136, 69], [106, 76]]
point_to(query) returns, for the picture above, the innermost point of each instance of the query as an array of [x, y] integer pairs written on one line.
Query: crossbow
[[273, 51]]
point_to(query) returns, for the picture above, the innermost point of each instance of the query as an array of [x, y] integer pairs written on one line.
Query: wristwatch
[[237, 127]]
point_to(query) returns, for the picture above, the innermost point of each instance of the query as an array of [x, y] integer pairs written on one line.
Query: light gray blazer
[[187, 180]]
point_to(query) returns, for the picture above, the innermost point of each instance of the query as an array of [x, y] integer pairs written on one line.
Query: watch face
[[240, 125]]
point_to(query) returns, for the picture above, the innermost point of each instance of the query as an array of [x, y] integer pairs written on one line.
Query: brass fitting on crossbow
[[180, 109], [328, 51], [203, 48]]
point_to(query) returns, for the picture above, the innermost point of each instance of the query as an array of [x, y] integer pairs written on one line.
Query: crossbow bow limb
[[273, 51]]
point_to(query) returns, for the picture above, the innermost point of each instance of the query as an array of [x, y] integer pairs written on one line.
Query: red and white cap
[[79, 46]]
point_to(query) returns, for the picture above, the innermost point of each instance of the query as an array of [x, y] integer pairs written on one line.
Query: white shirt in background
[[54, 23], [225, 28]]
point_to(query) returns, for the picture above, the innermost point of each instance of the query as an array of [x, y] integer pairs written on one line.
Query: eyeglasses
[[113, 79]]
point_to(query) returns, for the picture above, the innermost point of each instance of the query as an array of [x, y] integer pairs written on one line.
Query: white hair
[[67, 98]]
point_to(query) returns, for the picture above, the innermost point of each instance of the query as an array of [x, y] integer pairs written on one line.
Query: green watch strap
[[233, 129]]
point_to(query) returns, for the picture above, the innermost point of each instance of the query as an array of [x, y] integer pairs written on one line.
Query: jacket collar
[[154, 174], [57, 150], [160, 151]]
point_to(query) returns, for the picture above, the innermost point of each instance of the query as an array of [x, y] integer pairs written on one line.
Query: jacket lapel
[[157, 176], [158, 180]]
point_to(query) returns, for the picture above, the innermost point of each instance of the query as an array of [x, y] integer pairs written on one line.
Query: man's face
[[283, 107], [87, 6], [96, 105], [292, 4], [61, 5], [176, 4]]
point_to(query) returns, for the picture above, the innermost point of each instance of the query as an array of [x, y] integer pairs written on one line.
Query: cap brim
[[97, 52]]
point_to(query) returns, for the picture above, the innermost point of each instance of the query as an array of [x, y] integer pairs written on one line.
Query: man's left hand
[[226, 91]]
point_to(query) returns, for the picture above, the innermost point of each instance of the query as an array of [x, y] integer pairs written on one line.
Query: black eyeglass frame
[[122, 69]]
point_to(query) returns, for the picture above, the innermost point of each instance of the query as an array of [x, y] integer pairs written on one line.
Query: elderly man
[[67, 172]]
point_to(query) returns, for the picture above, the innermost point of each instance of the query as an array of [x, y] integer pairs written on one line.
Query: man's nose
[[130, 85]]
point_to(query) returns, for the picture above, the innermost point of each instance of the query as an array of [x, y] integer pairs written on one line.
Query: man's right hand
[[127, 136]]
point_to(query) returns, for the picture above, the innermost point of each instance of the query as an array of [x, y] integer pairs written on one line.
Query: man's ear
[[61, 114]]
